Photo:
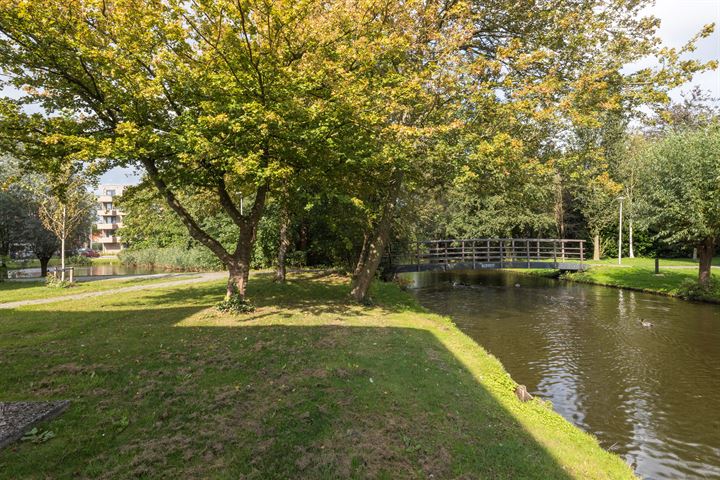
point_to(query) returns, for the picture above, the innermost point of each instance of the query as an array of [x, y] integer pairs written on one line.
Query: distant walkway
[[202, 277]]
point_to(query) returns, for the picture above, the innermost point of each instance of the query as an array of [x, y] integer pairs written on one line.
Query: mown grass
[[308, 386], [670, 281], [648, 262], [14, 291]]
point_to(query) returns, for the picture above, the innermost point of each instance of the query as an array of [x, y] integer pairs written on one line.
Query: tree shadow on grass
[[299, 295], [281, 401], [272, 401]]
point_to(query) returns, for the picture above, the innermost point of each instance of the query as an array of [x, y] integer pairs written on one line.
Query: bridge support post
[[527, 252], [447, 259], [474, 252], [417, 256]]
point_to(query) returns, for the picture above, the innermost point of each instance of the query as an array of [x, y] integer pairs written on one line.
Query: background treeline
[[565, 195]]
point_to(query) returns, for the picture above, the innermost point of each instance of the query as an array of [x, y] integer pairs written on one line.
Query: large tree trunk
[[375, 250], [239, 266], [44, 266], [363, 256], [378, 242], [283, 245], [631, 253], [596, 247], [706, 250], [237, 281]]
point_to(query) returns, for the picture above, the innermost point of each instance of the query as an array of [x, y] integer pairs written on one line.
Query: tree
[[43, 242], [13, 208], [64, 207], [20, 225], [215, 96], [681, 191]]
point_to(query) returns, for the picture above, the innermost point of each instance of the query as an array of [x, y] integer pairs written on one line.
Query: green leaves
[[681, 185], [38, 436]]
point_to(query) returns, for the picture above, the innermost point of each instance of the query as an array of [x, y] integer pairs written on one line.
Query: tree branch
[[195, 230]]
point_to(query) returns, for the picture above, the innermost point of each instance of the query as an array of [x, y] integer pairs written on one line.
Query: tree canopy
[[228, 101]]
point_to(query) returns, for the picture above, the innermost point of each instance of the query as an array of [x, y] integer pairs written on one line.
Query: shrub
[[171, 258], [236, 305], [692, 290], [79, 261], [54, 282]]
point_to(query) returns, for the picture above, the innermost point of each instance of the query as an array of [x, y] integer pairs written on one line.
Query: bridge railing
[[502, 251]]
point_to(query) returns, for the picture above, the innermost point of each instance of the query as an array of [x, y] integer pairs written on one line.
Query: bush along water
[[171, 258], [78, 261], [692, 290]]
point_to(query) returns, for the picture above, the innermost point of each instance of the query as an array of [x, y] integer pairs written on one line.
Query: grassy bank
[[671, 281], [647, 262], [308, 386]]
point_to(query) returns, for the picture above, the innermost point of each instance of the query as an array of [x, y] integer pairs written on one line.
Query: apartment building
[[109, 218]]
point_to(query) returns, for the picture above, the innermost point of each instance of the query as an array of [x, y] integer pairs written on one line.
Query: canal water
[[90, 271], [649, 394]]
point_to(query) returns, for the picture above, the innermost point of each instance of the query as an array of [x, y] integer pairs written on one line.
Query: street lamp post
[[620, 232]]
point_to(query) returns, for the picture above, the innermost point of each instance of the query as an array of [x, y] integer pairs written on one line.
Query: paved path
[[202, 277]]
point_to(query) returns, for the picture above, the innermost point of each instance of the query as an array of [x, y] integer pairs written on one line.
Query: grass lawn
[[13, 291], [308, 386], [643, 278], [646, 262]]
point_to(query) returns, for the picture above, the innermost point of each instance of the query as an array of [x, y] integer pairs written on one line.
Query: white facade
[[109, 218]]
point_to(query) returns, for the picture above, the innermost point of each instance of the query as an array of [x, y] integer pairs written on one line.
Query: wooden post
[[512, 250], [538, 249], [502, 251], [562, 249], [447, 260], [487, 252], [462, 250], [582, 251], [555, 252], [527, 252], [72, 274], [474, 252], [417, 255]]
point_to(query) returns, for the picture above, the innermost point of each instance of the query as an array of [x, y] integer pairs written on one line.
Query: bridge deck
[[491, 253]]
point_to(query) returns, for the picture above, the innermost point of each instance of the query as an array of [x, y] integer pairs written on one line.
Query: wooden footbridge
[[490, 253]]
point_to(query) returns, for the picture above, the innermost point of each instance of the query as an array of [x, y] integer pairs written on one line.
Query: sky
[[680, 20]]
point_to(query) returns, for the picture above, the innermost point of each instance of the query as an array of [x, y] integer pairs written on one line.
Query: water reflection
[[90, 271], [649, 394]]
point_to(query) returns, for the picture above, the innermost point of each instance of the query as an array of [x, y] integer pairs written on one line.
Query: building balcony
[[108, 226], [112, 239], [105, 198], [110, 213]]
